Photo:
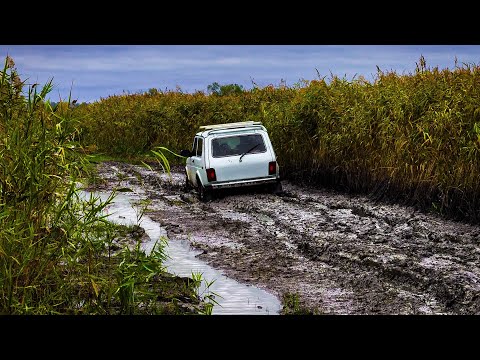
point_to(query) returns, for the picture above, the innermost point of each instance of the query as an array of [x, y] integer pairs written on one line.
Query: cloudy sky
[[92, 72]]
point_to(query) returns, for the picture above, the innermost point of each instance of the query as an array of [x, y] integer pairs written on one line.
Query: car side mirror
[[186, 153]]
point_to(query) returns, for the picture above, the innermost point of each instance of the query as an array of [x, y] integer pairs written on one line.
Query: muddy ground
[[340, 254]]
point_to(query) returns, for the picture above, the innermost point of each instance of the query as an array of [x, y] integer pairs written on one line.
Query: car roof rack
[[233, 125]]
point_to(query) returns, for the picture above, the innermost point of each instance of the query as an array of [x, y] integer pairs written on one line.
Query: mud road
[[337, 254]]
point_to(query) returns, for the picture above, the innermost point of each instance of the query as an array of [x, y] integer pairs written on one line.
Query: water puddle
[[232, 297]]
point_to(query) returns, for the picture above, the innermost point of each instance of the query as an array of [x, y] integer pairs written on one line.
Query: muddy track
[[340, 254]]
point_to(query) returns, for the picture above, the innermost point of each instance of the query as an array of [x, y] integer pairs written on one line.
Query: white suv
[[231, 155]]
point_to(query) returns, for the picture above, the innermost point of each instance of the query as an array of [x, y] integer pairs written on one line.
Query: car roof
[[230, 128]]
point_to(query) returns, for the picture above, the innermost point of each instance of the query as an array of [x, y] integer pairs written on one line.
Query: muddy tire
[[187, 187], [276, 188], [204, 195]]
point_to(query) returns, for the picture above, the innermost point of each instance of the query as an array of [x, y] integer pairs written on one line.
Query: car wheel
[[187, 185], [276, 188], [203, 194]]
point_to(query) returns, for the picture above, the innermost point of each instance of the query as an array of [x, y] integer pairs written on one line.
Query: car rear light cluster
[[211, 176], [272, 168]]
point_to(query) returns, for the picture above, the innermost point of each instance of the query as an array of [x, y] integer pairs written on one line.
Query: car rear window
[[237, 145]]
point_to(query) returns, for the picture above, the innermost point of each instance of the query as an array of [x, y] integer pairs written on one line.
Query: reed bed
[[411, 138]]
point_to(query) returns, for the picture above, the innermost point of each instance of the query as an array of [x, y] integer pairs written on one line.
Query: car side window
[[194, 146], [199, 147]]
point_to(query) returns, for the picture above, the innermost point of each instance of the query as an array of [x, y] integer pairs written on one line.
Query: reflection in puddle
[[233, 297]]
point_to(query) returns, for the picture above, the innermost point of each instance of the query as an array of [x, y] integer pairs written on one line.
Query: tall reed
[[55, 246]]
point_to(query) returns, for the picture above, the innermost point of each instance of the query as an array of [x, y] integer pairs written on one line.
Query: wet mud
[[340, 254]]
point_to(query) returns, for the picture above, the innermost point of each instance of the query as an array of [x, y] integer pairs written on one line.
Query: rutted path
[[340, 254]]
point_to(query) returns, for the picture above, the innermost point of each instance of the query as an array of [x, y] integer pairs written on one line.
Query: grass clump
[[57, 250], [292, 305]]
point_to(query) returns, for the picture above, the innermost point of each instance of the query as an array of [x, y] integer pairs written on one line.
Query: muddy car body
[[231, 155]]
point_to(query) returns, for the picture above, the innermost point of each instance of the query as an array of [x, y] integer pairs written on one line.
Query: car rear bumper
[[240, 183]]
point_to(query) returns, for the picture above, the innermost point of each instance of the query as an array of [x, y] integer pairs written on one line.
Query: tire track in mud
[[341, 254], [397, 252], [343, 272]]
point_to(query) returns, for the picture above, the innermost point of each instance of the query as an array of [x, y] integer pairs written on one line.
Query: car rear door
[[230, 165]]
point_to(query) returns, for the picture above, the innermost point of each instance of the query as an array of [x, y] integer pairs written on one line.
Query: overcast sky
[[92, 72]]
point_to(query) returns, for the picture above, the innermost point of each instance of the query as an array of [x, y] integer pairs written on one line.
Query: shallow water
[[232, 297]]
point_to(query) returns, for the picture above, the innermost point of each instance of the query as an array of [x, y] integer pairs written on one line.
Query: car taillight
[[211, 176], [272, 167]]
